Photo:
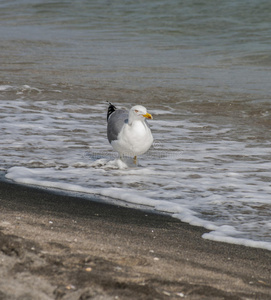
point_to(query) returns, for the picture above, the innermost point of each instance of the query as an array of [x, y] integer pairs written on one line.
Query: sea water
[[202, 69]]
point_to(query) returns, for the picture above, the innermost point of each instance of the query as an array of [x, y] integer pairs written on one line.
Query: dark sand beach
[[54, 246]]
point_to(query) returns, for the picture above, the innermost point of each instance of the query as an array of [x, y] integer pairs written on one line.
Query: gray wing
[[115, 123]]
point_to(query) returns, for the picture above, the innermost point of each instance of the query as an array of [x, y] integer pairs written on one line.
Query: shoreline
[[54, 246]]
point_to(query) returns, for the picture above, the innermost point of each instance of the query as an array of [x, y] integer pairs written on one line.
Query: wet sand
[[54, 246]]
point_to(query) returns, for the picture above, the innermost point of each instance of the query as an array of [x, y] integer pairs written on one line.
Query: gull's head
[[139, 112]]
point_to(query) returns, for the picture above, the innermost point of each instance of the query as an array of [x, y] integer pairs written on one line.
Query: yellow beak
[[148, 116]]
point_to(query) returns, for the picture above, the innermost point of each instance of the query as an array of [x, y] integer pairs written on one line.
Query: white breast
[[134, 139]]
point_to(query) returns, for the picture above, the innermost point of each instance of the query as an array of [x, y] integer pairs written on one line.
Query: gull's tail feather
[[111, 109]]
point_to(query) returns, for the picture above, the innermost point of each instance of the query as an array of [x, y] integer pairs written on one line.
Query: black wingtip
[[111, 109]]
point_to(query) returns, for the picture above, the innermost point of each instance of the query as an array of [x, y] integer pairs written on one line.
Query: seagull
[[128, 132]]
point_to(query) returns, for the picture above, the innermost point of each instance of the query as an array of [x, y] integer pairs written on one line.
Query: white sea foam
[[220, 236], [5, 87], [197, 171]]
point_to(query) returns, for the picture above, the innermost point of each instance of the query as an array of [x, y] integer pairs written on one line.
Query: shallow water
[[202, 70]]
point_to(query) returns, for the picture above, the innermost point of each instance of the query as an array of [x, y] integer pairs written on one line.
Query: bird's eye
[[136, 111]]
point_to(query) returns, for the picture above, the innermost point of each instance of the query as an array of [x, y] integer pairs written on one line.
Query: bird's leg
[[135, 160]]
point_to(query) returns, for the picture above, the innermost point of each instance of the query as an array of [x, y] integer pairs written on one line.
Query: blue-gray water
[[201, 67], [200, 45]]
